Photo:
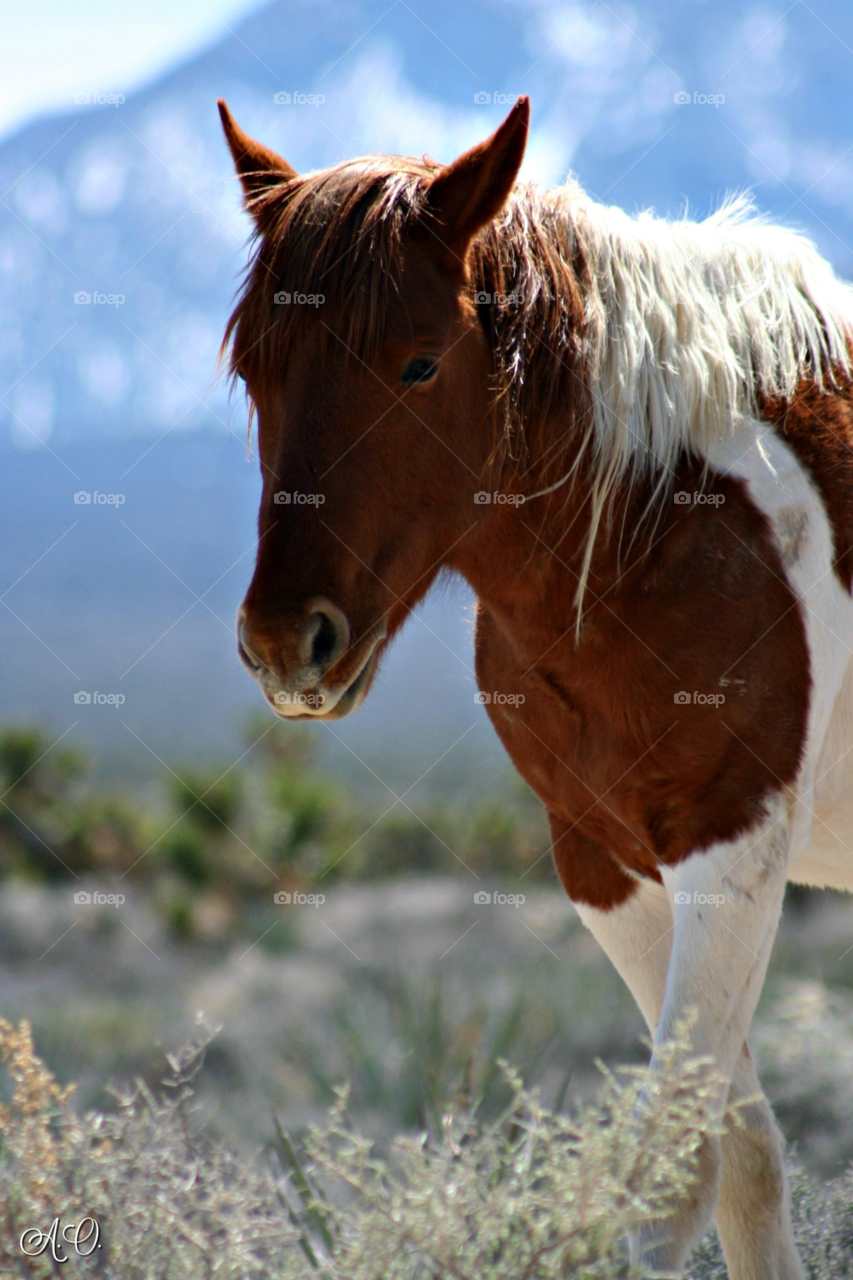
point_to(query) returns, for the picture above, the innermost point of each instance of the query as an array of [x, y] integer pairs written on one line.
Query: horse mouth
[[329, 704]]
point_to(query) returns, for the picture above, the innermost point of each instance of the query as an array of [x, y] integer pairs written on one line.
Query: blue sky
[[52, 49]]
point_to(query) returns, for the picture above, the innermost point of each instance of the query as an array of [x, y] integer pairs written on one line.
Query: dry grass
[[534, 1194]]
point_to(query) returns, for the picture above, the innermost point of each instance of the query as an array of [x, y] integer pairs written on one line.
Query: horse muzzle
[[311, 670]]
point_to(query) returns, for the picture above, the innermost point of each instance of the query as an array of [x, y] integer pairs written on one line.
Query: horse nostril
[[326, 636], [325, 640]]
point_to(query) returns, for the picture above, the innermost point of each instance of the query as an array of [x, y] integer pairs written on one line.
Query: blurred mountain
[[136, 201], [128, 200]]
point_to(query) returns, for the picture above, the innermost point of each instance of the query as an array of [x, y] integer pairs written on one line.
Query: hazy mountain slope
[[137, 202]]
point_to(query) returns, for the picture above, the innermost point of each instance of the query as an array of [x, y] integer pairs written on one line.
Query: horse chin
[[347, 700]]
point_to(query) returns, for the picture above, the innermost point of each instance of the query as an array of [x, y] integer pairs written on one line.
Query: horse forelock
[[336, 238], [340, 234]]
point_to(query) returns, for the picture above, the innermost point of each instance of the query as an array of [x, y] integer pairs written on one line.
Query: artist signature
[[83, 1237]]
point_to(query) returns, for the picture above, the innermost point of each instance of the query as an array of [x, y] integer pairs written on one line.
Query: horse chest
[[686, 704]]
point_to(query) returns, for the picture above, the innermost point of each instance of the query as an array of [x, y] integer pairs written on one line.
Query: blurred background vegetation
[[395, 980], [210, 846]]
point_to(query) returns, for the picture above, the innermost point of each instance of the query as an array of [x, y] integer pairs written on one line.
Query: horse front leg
[[744, 1173], [727, 902]]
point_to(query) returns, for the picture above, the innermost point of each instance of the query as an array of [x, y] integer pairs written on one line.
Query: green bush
[[274, 817]]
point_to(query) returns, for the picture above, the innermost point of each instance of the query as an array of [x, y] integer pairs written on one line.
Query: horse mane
[[619, 342], [673, 329]]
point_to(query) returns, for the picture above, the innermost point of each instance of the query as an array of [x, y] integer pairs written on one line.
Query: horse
[[633, 437]]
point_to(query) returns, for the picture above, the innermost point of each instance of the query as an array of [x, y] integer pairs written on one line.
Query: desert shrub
[[35, 783], [823, 1227], [170, 1204], [532, 1193], [406, 1047], [402, 844]]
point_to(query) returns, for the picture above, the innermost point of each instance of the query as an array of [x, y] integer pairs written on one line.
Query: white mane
[[687, 323]]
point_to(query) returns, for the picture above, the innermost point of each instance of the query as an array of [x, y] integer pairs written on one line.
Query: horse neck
[[522, 558], [525, 562]]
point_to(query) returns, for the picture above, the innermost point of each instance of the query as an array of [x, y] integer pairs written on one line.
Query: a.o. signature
[[82, 1236]]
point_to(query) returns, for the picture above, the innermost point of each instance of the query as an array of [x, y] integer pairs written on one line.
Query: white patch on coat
[[782, 489]]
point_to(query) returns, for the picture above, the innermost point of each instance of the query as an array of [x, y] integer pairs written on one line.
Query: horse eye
[[421, 369]]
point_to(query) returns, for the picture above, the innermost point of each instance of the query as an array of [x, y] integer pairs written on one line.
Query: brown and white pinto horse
[[661, 415]]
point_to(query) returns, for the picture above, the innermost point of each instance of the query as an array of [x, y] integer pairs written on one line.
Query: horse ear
[[258, 168], [467, 194]]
